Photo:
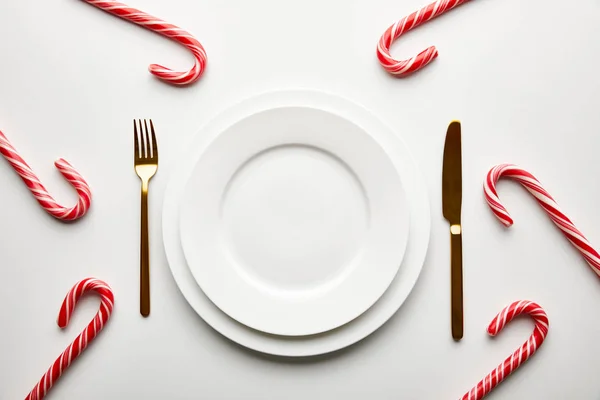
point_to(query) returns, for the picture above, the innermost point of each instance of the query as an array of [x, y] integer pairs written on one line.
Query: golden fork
[[146, 164]]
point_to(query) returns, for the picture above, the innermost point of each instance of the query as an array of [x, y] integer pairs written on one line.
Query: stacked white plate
[[296, 224]]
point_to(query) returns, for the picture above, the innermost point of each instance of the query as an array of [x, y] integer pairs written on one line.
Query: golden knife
[[451, 204]]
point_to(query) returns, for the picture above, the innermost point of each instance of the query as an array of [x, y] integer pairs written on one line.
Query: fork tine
[[147, 140], [142, 145], [154, 144], [142, 139], [136, 149]]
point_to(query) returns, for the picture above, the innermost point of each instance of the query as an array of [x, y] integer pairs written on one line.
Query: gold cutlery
[[146, 164], [451, 206]]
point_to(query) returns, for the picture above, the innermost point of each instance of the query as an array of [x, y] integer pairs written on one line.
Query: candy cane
[[405, 67], [487, 384], [545, 200], [171, 31], [85, 337], [39, 191]]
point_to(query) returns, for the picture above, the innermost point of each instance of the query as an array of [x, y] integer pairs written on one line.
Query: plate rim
[[395, 248], [338, 338]]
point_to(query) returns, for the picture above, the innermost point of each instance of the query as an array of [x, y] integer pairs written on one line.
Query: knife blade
[[451, 209]]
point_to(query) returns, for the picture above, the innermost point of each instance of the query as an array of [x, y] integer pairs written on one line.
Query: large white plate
[[294, 221], [366, 323]]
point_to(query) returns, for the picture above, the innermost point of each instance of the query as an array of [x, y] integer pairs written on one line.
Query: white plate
[[294, 221], [366, 323]]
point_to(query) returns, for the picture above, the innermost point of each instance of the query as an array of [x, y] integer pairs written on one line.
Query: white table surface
[[522, 76]]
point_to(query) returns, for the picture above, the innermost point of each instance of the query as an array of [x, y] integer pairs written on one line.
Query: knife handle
[[456, 281]]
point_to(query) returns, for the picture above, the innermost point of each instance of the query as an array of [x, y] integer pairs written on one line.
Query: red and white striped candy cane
[[85, 337], [39, 191], [405, 67], [485, 386], [165, 29], [545, 200]]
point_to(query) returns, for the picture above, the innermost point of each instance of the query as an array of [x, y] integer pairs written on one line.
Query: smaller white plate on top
[[294, 221]]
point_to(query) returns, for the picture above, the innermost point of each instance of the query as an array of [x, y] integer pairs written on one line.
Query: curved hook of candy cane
[[487, 384], [545, 200], [39, 191], [405, 67], [85, 337], [168, 30]]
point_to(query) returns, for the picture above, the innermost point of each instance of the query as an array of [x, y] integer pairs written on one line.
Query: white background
[[522, 76]]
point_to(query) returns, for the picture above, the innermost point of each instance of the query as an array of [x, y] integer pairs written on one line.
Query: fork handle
[[144, 255]]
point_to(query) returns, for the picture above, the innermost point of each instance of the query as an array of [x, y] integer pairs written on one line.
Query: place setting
[[296, 222]]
